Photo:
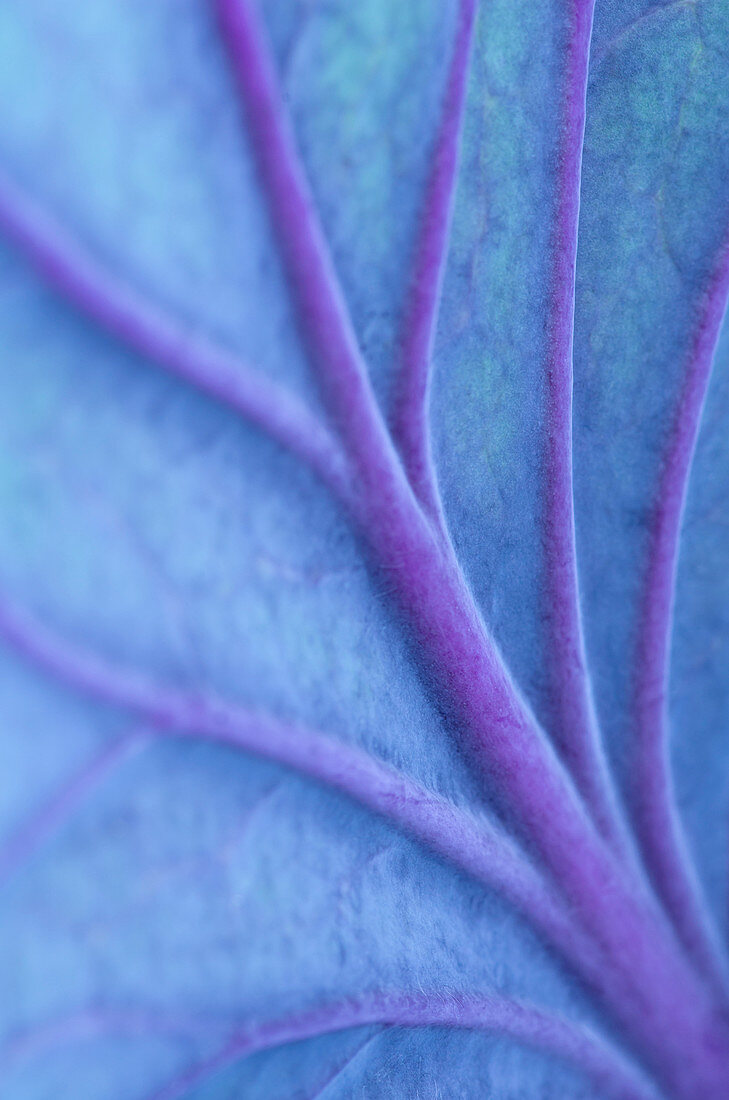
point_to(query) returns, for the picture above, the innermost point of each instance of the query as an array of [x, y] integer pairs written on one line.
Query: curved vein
[[116, 308], [410, 414], [652, 797], [616, 965], [384, 505], [17, 848], [566, 842], [472, 844], [417, 565], [542, 1029], [578, 1045]]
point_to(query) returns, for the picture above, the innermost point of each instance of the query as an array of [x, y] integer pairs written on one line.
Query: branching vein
[[147, 330], [410, 415]]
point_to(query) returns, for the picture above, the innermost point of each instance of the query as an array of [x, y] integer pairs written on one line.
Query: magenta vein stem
[[641, 958], [321, 307], [410, 414], [651, 794], [405, 549], [421, 574], [116, 308]]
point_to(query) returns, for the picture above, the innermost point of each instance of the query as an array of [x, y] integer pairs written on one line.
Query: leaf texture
[[179, 873]]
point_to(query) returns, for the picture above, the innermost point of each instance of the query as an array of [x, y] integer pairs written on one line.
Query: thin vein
[[425, 577], [117, 309], [569, 709], [652, 797], [473, 844], [632, 958], [465, 663], [323, 1088], [522, 1022], [404, 548], [637, 24], [546, 1031], [17, 849], [410, 416]]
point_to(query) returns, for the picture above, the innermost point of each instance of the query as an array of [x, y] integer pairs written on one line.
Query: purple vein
[[626, 964], [413, 560], [321, 307], [420, 570], [444, 625], [403, 542], [569, 711], [116, 308], [410, 414], [642, 972], [41, 824], [651, 795], [471, 843], [387, 513], [576, 1044], [426, 583], [458, 645], [594, 1056]]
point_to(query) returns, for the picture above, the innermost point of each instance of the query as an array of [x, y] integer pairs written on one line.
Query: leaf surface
[[175, 887]]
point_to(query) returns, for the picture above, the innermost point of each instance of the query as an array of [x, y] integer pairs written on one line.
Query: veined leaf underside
[[595, 864]]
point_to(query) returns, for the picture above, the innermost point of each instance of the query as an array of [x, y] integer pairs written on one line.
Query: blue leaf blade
[[147, 523]]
